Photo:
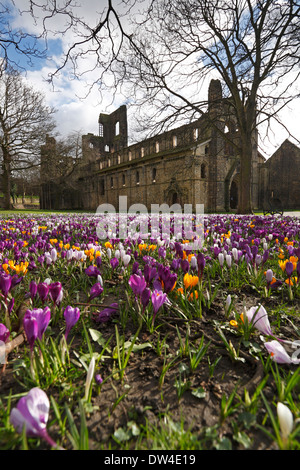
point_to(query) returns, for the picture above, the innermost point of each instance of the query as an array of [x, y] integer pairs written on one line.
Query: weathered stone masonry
[[192, 164]]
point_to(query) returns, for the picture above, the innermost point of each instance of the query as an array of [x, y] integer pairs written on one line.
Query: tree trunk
[[6, 181], [245, 190]]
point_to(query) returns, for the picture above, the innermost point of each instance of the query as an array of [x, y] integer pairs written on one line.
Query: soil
[[144, 398]]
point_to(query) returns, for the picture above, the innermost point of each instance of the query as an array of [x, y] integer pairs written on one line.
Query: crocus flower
[[145, 297], [286, 420], [137, 284], [56, 292], [221, 259], [30, 325], [279, 354], [227, 303], [201, 264], [259, 318], [42, 317], [228, 260], [71, 316], [269, 276], [170, 282], [95, 291], [105, 314], [149, 273], [32, 412], [92, 271], [158, 298], [126, 259], [43, 290], [190, 280], [114, 262], [5, 283], [53, 254], [98, 379], [4, 333], [33, 289], [289, 267]]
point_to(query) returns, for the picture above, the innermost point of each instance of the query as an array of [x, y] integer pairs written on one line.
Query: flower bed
[[149, 342]]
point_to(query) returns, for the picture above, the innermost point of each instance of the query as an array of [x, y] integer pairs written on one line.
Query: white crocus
[[286, 421]]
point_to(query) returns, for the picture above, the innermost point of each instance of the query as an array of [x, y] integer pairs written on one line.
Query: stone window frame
[[203, 170], [154, 175]]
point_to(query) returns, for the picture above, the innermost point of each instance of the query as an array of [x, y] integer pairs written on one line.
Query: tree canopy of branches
[[24, 122], [251, 45], [164, 57]]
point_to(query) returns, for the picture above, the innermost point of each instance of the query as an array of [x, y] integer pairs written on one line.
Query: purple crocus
[[289, 267], [71, 317], [149, 273], [201, 264], [5, 283], [258, 317], [92, 271], [4, 333], [43, 290], [30, 325], [33, 289], [56, 292], [279, 354], [145, 297], [95, 291], [137, 284], [32, 412], [158, 298], [105, 314], [170, 282], [42, 317], [114, 262]]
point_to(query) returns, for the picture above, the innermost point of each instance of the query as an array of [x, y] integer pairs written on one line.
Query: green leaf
[[199, 392]]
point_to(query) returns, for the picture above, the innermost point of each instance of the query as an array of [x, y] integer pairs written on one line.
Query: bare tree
[[165, 56], [24, 122], [16, 45], [252, 46]]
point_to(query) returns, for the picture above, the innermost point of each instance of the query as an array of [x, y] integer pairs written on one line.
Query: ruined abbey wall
[[192, 164]]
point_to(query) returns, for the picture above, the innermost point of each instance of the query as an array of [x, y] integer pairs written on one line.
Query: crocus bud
[[43, 290], [31, 329], [95, 291], [227, 303], [4, 333], [269, 276], [5, 283], [289, 267], [55, 292], [286, 421], [228, 260], [259, 319], [71, 316], [33, 289], [221, 259]]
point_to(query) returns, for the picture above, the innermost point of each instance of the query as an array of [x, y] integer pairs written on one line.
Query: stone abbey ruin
[[193, 164]]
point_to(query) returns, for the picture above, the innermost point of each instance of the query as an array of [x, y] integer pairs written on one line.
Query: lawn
[[149, 342]]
